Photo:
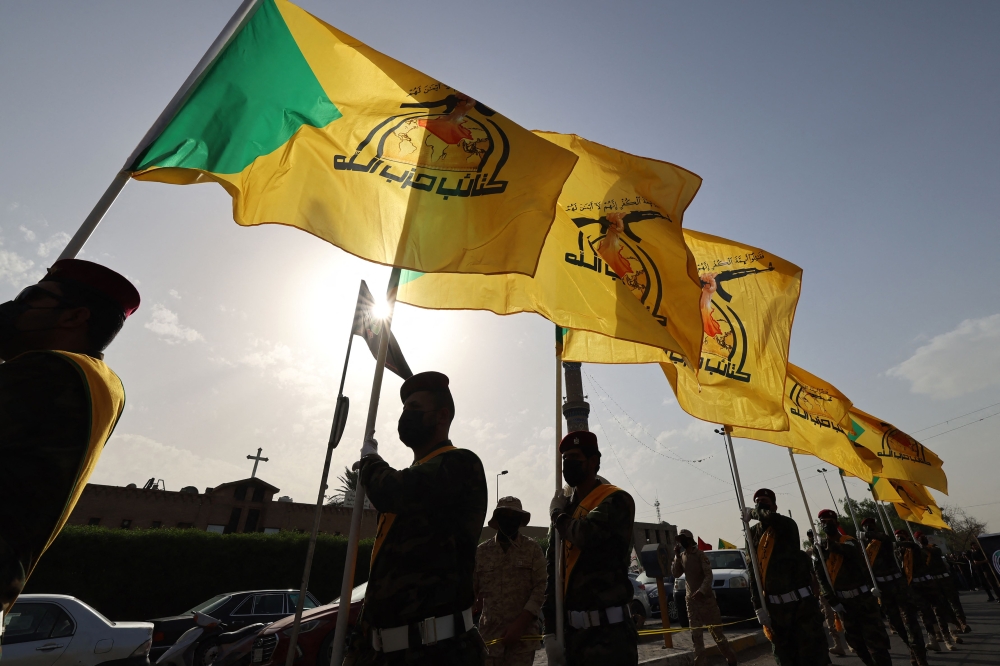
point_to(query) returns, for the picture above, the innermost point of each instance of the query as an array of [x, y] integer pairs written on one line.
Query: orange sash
[[872, 550], [107, 401], [385, 520], [908, 565], [571, 553], [765, 547], [834, 561]]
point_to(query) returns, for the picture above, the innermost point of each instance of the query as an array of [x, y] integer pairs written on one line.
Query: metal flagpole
[[731, 453], [882, 516], [557, 539], [236, 23], [359, 496], [802, 491], [336, 431], [857, 530]]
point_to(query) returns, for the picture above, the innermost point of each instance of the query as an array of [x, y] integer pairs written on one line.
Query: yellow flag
[[902, 457], [913, 502], [816, 415], [306, 126], [615, 261], [747, 305]]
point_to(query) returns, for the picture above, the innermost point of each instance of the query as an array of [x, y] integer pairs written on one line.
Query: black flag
[[368, 326]]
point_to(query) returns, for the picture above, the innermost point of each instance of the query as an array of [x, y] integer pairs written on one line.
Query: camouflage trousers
[[950, 592], [864, 629], [933, 606], [904, 616], [466, 649], [798, 638], [610, 645], [702, 613]]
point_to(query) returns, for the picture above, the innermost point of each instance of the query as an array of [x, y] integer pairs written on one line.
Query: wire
[[962, 426], [955, 418], [620, 461]]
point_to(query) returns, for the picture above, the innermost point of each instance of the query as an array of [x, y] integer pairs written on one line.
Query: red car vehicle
[[315, 642]]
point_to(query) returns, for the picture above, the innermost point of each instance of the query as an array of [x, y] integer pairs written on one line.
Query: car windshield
[[722, 559], [213, 604], [357, 594]]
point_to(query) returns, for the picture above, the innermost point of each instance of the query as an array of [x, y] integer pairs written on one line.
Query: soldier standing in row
[[851, 595], [939, 569], [510, 586], [702, 608], [796, 625], [595, 524], [933, 607], [418, 605], [897, 598]]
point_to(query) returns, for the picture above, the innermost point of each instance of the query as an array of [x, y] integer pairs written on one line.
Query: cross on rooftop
[[256, 459]]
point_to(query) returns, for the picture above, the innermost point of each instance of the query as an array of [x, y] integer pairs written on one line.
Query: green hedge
[[144, 574]]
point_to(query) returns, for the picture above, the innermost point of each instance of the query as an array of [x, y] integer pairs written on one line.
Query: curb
[[686, 658]]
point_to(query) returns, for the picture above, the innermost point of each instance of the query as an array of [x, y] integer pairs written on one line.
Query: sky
[[859, 141]]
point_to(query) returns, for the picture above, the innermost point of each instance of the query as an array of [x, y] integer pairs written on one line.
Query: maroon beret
[[97, 278], [918, 535], [424, 381], [581, 439], [765, 492], [901, 533], [869, 521], [827, 514]]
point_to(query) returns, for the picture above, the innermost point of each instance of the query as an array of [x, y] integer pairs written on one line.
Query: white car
[[56, 630]]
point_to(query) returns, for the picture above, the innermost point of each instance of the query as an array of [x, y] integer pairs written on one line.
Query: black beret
[[765, 492], [425, 381], [581, 439]]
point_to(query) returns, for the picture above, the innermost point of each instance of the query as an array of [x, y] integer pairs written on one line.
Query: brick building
[[247, 505]]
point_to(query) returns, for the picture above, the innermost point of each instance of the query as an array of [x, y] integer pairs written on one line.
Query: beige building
[[247, 505]]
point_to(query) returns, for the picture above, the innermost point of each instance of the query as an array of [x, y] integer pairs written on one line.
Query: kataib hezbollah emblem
[[725, 334]]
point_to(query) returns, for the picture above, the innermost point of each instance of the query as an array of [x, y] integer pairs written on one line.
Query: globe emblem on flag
[[898, 444], [812, 401]]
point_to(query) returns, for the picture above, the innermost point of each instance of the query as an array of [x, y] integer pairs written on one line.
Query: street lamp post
[[823, 471], [498, 483]]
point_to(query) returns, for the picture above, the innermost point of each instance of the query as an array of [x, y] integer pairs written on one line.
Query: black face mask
[[412, 430], [10, 312], [574, 472], [507, 527], [831, 529], [685, 542]]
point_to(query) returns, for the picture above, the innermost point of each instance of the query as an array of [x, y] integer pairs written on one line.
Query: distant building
[[247, 505]]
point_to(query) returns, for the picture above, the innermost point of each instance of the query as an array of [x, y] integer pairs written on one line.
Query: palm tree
[[348, 484]]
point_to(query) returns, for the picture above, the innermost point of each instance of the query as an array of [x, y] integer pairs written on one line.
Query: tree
[[964, 528], [348, 484]]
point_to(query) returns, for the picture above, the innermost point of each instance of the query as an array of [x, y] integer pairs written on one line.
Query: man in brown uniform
[[510, 586], [702, 608]]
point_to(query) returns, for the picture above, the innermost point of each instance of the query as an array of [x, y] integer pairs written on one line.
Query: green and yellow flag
[[306, 126], [746, 306], [725, 545], [615, 261], [817, 416], [903, 457]]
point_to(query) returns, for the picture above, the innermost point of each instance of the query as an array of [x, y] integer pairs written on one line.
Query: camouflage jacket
[[600, 577], [508, 583], [693, 564], [853, 571], [431, 516], [44, 434], [788, 568], [885, 561]]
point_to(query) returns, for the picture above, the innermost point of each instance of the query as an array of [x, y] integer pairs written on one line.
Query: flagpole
[[882, 516], [235, 24], [731, 454], [877, 593], [802, 491], [359, 496], [557, 538], [336, 430]]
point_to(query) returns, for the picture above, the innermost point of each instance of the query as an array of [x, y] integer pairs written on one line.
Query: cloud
[[129, 458], [174, 294], [56, 240], [29, 235], [955, 363], [167, 325], [16, 269]]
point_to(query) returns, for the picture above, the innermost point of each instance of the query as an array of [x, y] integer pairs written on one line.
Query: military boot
[[839, 643], [932, 642], [955, 638], [944, 637]]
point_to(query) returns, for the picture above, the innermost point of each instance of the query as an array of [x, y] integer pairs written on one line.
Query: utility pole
[[576, 409], [657, 505], [823, 471], [256, 459]]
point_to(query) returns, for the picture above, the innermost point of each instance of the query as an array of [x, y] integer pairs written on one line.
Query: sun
[[381, 308]]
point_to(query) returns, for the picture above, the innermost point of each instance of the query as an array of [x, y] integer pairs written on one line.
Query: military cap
[[869, 521], [686, 533], [918, 535], [765, 492], [581, 439], [510, 504], [828, 514], [95, 277], [901, 533]]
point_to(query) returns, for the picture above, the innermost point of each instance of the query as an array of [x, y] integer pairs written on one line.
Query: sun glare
[[381, 308]]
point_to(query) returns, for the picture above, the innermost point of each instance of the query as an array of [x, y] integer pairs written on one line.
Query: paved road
[[981, 647]]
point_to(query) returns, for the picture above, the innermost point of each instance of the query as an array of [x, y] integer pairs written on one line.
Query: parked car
[[654, 595], [640, 601], [41, 629], [234, 609], [315, 642], [730, 583]]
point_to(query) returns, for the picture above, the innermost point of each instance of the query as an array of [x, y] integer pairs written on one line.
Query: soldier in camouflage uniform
[[418, 605], [851, 595], [942, 575], [897, 598], [933, 607], [595, 524], [796, 625], [509, 584], [702, 608]]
